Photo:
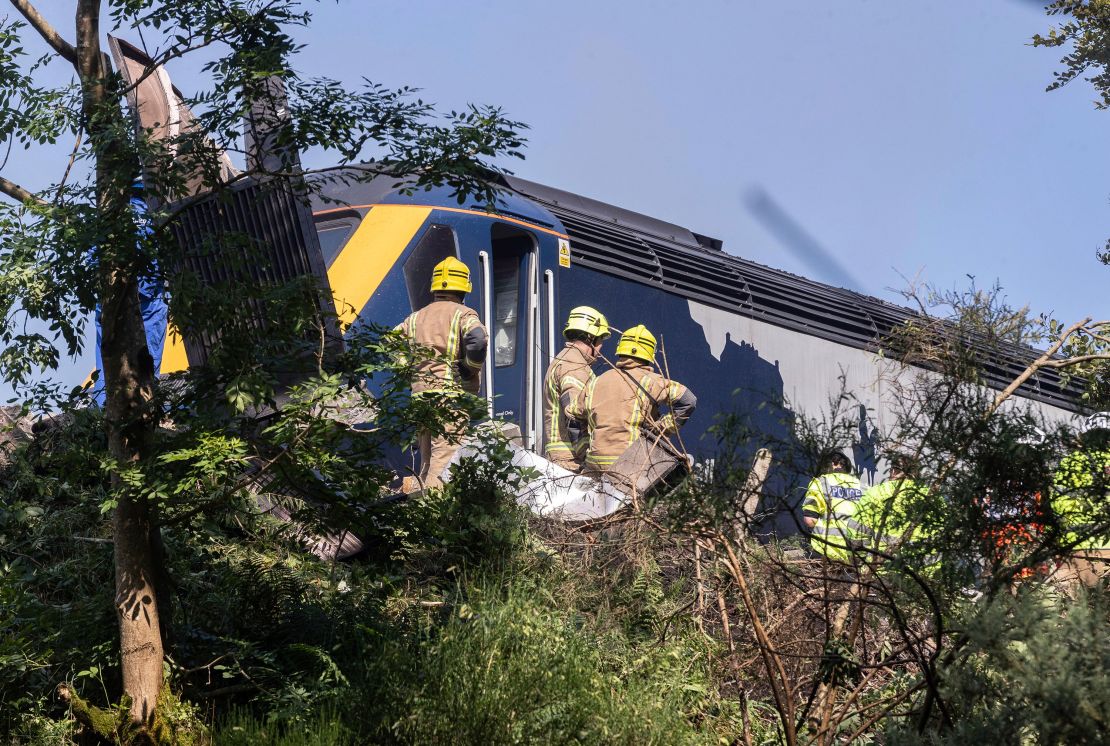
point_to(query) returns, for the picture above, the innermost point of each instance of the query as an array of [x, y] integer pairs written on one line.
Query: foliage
[[87, 241], [1085, 33], [516, 669], [430, 635], [1035, 671]]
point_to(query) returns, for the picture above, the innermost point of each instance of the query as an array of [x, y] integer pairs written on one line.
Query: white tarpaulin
[[556, 492]]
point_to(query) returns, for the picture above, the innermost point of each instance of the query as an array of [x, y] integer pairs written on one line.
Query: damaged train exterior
[[758, 343], [749, 340]]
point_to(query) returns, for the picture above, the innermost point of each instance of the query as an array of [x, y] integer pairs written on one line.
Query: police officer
[[567, 377], [625, 402], [452, 331], [1081, 504], [829, 508], [890, 513]]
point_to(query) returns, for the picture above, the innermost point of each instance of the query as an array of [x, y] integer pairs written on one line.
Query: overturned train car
[[758, 343]]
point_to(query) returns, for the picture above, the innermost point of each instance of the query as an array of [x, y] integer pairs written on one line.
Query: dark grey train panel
[[683, 265]]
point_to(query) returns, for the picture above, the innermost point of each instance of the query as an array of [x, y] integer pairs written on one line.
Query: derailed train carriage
[[757, 342], [748, 339]]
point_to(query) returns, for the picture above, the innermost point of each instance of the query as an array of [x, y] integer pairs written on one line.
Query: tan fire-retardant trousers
[[565, 460], [436, 451]]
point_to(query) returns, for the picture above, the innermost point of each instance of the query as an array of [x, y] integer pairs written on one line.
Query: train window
[[333, 235], [437, 243], [506, 305]]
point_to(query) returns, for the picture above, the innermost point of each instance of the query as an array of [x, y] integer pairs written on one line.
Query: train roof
[[675, 259], [667, 256]]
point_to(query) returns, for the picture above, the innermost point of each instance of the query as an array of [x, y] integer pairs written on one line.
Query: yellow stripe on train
[[355, 274], [369, 254]]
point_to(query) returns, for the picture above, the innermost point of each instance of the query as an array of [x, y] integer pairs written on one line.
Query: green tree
[[1084, 34], [75, 245]]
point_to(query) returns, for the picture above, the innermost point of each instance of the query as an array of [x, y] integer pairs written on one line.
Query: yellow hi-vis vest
[[886, 512], [1081, 499], [832, 500]]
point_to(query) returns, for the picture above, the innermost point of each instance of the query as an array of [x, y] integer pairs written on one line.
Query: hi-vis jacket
[[453, 331], [567, 377], [622, 402], [832, 500], [888, 511], [1082, 487]]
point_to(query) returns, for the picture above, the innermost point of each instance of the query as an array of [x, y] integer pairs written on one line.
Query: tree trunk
[[128, 376], [129, 381]]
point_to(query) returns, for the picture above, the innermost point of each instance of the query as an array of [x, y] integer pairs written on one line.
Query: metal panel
[[260, 232], [689, 270]]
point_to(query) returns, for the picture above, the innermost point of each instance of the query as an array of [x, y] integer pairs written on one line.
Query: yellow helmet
[[589, 321], [451, 275], [639, 343]]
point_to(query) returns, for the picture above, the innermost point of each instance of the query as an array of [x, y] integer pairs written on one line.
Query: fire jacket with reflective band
[[832, 500], [1082, 498], [567, 377], [888, 510], [625, 401], [459, 340]]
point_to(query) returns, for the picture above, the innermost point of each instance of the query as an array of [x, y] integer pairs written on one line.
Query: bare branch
[[69, 167], [1043, 361], [66, 50], [18, 193], [1077, 360]]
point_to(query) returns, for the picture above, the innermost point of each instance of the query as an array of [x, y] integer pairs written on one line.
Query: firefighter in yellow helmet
[[567, 377], [459, 341], [626, 401]]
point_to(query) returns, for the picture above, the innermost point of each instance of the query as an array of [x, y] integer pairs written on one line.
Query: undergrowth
[[459, 624], [467, 621]]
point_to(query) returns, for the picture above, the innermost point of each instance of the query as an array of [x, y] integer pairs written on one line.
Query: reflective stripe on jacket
[[453, 331], [1080, 502], [832, 500], [622, 402], [567, 378]]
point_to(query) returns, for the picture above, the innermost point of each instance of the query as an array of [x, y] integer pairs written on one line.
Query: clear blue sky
[[907, 138]]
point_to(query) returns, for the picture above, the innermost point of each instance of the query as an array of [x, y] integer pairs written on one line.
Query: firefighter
[[829, 508], [452, 331], [1082, 488], [625, 402], [567, 377]]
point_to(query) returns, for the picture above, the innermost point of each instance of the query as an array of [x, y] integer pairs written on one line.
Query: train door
[[510, 310]]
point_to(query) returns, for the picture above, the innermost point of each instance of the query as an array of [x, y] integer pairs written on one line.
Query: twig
[[69, 166], [700, 610], [93, 539], [233, 689], [776, 673], [1045, 360]]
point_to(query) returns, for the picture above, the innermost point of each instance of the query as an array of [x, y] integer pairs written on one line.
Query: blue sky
[[907, 138]]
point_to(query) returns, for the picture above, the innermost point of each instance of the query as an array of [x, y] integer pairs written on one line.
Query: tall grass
[[519, 670]]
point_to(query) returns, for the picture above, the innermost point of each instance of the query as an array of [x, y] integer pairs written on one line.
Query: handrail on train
[[487, 319]]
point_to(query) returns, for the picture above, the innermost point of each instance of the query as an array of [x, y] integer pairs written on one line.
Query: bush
[[514, 668], [1036, 670], [241, 727]]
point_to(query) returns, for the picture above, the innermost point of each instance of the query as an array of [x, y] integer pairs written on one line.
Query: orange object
[[1013, 532]]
